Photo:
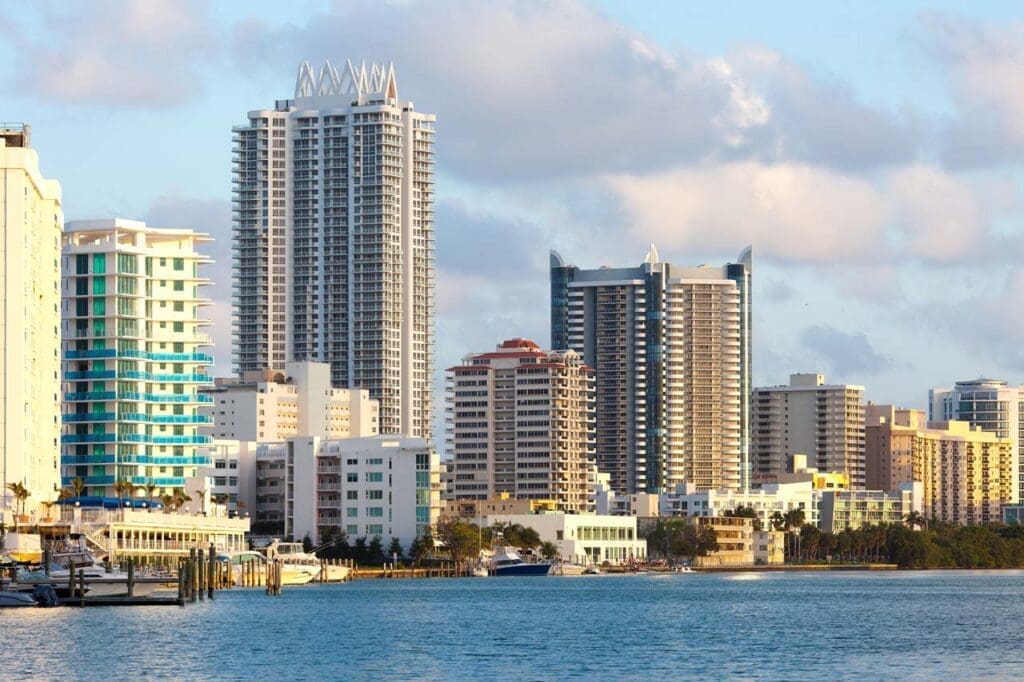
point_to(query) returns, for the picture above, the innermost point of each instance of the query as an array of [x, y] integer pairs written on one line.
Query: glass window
[[375, 512], [99, 263], [375, 494], [81, 286], [351, 512], [82, 264], [351, 494], [179, 263], [352, 477], [374, 477], [179, 285]]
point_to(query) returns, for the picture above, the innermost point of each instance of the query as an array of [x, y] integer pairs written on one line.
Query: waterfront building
[[767, 500], [823, 422], [1013, 514], [520, 421], [132, 359], [798, 471], [30, 211], [967, 474], [270, 406], [473, 510], [842, 509], [769, 547], [627, 504], [232, 474], [375, 486], [670, 347], [334, 238], [990, 404], [584, 538]]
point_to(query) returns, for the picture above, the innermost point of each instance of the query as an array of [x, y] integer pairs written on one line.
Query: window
[[99, 285], [127, 263], [82, 264], [375, 529], [352, 477], [351, 494], [375, 512], [351, 512], [352, 529], [352, 462], [81, 286], [179, 263], [375, 460], [179, 326], [179, 285], [374, 477], [375, 494], [99, 263]]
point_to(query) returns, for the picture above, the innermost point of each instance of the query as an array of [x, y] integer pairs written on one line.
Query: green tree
[[21, 494], [307, 543], [395, 549], [746, 513], [461, 540], [78, 485], [359, 551], [375, 551], [549, 550], [421, 547]]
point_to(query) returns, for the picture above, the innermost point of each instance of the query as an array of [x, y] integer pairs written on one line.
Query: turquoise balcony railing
[[90, 395], [90, 374], [88, 438], [89, 417]]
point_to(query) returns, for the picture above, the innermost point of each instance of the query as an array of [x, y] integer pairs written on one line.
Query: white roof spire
[[378, 79], [652, 256]]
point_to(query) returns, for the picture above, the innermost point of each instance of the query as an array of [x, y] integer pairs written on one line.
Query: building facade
[[231, 474], [842, 509], [334, 238], [271, 406], [30, 211], [584, 538], [824, 422], [670, 348], [520, 421], [132, 356], [766, 501], [990, 404], [376, 486], [967, 474]]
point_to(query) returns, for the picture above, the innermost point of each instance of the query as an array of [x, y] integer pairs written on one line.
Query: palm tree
[[150, 489], [777, 521], [167, 501], [49, 505], [79, 486], [916, 520], [21, 493]]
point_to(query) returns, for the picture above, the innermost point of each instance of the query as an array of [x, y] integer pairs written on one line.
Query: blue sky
[[870, 153]]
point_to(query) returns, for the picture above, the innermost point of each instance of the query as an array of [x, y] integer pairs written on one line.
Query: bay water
[[839, 625]]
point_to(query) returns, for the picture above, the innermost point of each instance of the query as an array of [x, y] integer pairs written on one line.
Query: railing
[[89, 417]]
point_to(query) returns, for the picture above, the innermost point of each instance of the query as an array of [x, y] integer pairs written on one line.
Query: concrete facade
[[687, 500], [842, 509], [520, 421], [271, 406], [670, 347], [824, 422], [31, 221], [133, 364], [334, 238], [584, 538]]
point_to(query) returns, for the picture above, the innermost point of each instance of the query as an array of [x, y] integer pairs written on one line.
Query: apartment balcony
[[77, 417]]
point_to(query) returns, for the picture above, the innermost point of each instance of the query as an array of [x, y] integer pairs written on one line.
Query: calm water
[[906, 625]]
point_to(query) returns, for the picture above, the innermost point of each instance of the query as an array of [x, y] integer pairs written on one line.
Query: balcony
[[88, 417], [90, 395], [88, 438]]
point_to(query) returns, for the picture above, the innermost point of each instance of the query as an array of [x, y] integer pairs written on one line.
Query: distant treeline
[[935, 545]]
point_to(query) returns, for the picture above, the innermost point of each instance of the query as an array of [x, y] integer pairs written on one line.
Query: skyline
[[769, 145]]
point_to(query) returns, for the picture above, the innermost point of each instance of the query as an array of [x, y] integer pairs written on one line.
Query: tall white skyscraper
[[334, 238], [31, 221], [670, 348]]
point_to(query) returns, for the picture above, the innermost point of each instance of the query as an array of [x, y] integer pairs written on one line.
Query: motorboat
[[506, 561], [569, 569], [592, 569], [99, 582], [298, 567], [10, 599]]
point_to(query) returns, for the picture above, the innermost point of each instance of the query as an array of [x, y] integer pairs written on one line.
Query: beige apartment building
[[824, 422], [967, 474], [520, 420], [272, 405], [30, 210]]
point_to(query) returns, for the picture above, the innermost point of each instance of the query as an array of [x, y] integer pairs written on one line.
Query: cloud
[[845, 353], [800, 213], [477, 243], [985, 67], [116, 52], [212, 216], [531, 90]]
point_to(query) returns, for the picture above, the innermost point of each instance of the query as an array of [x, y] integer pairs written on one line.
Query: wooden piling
[[131, 578], [81, 588], [211, 571], [71, 579], [201, 573]]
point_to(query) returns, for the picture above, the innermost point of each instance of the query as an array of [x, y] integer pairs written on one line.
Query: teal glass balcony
[[90, 395], [90, 374], [89, 417], [92, 353], [88, 438]]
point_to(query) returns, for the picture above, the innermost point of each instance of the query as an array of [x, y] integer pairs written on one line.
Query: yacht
[[10, 599], [506, 561], [297, 566], [98, 581]]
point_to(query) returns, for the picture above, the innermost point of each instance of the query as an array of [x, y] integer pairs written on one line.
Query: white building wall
[[31, 220], [583, 538]]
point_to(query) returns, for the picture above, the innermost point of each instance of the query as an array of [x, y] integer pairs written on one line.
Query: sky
[[871, 153]]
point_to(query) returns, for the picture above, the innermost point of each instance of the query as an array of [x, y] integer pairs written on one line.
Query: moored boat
[[506, 561], [10, 599]]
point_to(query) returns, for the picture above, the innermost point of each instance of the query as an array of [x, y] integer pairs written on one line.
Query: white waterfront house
[[584, 538]]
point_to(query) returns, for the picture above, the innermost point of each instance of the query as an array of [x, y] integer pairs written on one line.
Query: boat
[[592, 569], [297, 566], [569, 569], [10, 599], [99, 582], [506, 561]]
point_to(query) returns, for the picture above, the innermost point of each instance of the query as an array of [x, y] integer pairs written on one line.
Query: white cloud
[[116, 52]]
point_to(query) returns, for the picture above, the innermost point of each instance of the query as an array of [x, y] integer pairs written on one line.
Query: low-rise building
[[385, 486], [842, 509], [473, 510], [607, 501], [272, 405], [766, 501], [584, 538], [231, 474], [735, 538], [769, 547], [1013, 514]]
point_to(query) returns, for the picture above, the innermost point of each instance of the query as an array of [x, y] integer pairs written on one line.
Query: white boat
[[11, 600], [297, 566], [592, 569], [506, 561], [569, 569], [99, 582]]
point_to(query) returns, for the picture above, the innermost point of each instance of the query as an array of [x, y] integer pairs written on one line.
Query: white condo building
[[670, 347], [30, 211], [809, 417], [334, 238], [274, 405], [133, 356]]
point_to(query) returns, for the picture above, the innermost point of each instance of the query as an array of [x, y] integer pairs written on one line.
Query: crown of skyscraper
[[377, 79]]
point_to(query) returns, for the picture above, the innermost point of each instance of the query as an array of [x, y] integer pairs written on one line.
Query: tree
[[150, 489], [395, 549], [746, 513], [375, 550], [359, 552], [421, 547], [78, 484], [21, 494], [676, 539], [549, 550], [307, 543], [461, 540], [916, 520], [778, 521]]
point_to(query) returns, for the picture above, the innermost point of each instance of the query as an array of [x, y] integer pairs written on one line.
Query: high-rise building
[[670, 348], [966, 473], [30, 212], [299, 401], [809, 417], [334, 238], [133, 365], [520, 421], [991, 404]]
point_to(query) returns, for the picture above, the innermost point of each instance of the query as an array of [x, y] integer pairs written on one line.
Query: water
[[919, 625]]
